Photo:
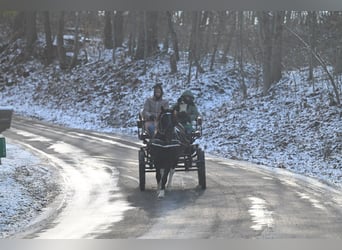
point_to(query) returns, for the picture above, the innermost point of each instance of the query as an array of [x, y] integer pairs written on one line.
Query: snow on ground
[[295, 127], [26, 187]]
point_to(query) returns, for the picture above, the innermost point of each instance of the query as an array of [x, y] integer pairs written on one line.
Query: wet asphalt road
[[101, 198]]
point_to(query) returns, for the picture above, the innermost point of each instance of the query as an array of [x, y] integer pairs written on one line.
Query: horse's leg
[[158, 177], [169, 183], [161, 190], [172, 171], [163, 182], [164, 178], [160, 182]]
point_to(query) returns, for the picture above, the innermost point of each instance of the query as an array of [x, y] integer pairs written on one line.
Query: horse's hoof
[[161, 194]]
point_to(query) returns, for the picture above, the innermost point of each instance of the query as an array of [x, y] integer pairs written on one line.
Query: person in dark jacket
[[187, 110], [152, 108]]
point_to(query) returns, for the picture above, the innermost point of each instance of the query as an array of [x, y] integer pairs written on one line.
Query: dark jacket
[[187, 110]]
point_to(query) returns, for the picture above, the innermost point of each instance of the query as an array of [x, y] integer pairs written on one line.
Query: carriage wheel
[[142, 169], [201, 169]]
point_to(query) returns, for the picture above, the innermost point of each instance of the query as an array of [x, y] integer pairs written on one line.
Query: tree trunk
[[166, 39], [218, 37], [114, 37], [147, 37], [76, 42], [195, 43], [173, 63], [60, 42], [118, 29], [152, 32], [139, 53], [192, 43], [206, 24], [278, 21], [19, 26], [230, 37], [312, 41], [241, 46], [145, 41], [48, 38], [338, 65], [132, 26], [30, 33], [173, 36], [265, 33], [108, 36]]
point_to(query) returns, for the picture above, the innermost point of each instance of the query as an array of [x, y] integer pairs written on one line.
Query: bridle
[[168, 129], [165, 118]]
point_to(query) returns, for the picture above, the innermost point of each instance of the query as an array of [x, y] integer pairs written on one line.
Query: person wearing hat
[[152, 108], [187, 110]]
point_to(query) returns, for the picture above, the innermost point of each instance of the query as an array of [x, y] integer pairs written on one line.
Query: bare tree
[[174, 57], [270, 33], [194, 46], [173, 35], [278, 23], [312, 40], [76, 42], [322, 63], [265, 32], [132, 32], [230, 36], [151, 32], [241, 47], [108, 36], [60, 41], [218, 33], [205, 31], [147, 34], [48, 37], [139, 53], [118, 27], [30, 33], [19, 26]]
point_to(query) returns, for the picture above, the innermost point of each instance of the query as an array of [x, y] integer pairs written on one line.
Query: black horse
[[167, 145]]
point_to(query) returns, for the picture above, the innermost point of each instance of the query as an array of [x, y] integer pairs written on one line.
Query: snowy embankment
[[27, 186]]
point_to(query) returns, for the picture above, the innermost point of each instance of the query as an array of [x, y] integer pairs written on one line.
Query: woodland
[[274, 40]]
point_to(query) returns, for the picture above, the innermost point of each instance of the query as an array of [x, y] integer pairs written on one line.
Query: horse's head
[[166, 122]]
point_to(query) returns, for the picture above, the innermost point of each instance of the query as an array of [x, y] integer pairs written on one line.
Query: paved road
[[101, 196]]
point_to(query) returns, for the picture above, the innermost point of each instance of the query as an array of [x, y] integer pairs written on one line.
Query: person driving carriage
[[152, 108], [187, 110]]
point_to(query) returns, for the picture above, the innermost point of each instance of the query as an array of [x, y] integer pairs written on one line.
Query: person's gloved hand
[[152, 117]]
